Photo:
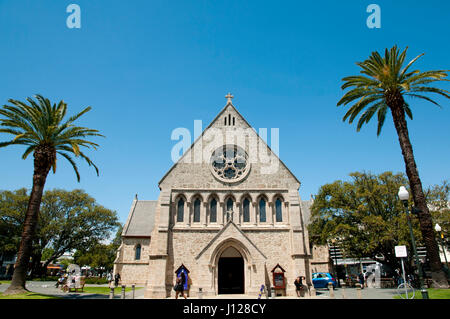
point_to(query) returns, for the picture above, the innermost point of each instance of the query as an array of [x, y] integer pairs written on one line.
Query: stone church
[[229, 213]]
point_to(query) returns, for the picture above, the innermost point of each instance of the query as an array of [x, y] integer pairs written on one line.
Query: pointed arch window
[[213, 211], [197, 204], [137, 252], [246, 207], [180, 211], [262, 210], [278, 210]]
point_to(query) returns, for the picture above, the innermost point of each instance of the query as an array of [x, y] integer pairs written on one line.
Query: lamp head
[[403, 193], [437, 228]]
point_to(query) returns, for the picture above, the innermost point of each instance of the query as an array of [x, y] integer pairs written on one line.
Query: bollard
[[312, 292], [111, 293], [123, 292], [358, 293], [330, 288], [200, 293], [272, 292], [132, 291]]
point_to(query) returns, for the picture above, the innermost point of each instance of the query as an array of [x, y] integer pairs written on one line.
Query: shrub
[[96, 280]]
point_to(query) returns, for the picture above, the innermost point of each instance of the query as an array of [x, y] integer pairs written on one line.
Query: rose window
[[229, 163]]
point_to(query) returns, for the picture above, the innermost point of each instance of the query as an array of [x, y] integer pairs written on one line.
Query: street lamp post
[[438, 229], [404, 196]]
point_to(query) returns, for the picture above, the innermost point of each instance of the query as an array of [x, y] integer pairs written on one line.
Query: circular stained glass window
[[229, 163]]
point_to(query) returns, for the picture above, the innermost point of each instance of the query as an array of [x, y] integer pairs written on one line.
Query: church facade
[[229, 213]]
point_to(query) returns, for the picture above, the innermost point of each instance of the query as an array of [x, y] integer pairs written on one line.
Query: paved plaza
[[48, 288]]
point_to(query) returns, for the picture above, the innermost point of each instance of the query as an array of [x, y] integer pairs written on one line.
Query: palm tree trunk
[[425, 221], [41, 169]]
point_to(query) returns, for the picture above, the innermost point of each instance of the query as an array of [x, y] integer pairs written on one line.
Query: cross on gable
[[229, 97]]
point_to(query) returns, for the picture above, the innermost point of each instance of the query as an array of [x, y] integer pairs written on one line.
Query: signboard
[[278, 280], [400, 251]]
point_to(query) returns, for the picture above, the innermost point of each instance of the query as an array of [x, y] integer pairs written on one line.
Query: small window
[[229, 119], [180, 211], [225, 120], [197, 204], [233, 120], [137, 253], [213, 211], [278, 210], [262, 210]]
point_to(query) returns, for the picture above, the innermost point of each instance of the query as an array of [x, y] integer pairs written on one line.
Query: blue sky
[[148, 67]]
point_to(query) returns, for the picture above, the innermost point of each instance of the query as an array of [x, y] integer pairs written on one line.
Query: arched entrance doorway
[[231, 272]]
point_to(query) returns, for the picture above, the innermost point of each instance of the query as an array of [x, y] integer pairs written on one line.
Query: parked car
[[321, 280]]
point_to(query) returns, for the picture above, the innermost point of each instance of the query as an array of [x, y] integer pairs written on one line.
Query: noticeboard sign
[[400, 251]]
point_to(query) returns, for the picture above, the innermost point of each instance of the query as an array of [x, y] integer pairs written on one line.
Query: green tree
[[69, 220], [100, 256], [12, 206], [438, 200], [73, 220], [364, 215], [40, 127], [11, 220], [384, 85]]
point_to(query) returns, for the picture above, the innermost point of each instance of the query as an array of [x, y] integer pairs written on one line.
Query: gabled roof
[[182, 267], [229, 104], [278, 266], [306, 211], [141, 220], [229, 224]]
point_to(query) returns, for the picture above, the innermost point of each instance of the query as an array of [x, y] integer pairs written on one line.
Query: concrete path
[[48, 288]]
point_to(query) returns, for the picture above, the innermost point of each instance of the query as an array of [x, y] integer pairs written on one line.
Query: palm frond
[[383, 83], [38, 123]]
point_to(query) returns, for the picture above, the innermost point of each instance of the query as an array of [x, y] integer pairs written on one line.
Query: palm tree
[[40, 127], [383, 86]]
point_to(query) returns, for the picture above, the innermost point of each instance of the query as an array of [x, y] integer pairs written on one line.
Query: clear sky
[[148, 67]]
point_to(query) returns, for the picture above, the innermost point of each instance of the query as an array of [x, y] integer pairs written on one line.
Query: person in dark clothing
[[299, 285], [361, 280], [116, 279], [181, 281]]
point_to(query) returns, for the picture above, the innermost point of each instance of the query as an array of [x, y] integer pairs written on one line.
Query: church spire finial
[[229, 97]]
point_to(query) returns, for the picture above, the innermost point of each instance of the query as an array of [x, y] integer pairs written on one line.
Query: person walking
[[179, 287], [361, 280], [116, 279], [299, 285]]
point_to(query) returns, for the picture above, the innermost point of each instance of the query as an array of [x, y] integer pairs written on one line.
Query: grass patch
[[106, 290], [433, 293], [28, 295], [5, 282]]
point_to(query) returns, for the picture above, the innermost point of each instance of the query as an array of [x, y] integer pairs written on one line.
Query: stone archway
[[231, 255], [231, 272]]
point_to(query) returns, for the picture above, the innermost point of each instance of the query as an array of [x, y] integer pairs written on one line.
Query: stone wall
[[320, 261], [133, 271]]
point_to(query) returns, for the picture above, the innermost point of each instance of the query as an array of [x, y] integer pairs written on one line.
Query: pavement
[[48, 288]]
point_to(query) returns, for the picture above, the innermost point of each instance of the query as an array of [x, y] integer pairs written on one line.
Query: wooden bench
[[77, 286]]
